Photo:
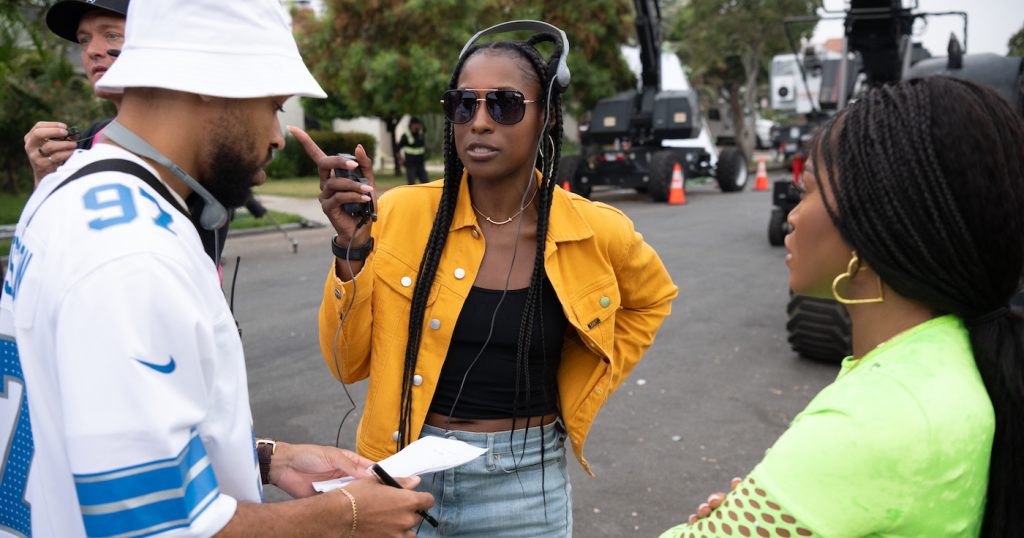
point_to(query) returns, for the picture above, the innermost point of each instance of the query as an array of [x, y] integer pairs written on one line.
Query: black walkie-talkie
[[356, 209]]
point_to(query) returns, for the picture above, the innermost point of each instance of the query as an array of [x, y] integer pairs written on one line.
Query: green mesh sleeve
[[748, 511]]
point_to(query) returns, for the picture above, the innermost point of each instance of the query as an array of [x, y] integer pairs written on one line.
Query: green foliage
[[433, 133], [596, 30], [728, 44], [720, 39], [10, 209], [36, 84], [1016, 43], [244, 220], [292, 160], [286, 161], [309, 187], [388, 58]]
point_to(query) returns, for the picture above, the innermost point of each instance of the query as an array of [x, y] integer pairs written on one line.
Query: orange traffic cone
[[676, 193], [761, 183], [565, 185]]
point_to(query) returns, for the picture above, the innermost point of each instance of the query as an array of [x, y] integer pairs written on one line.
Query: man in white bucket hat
[[124, 407]]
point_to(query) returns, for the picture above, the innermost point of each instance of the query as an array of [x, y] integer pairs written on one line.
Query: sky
[[990, 23]]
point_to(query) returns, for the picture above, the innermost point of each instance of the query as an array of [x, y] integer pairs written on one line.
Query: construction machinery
[[878, 50], [635, 139]]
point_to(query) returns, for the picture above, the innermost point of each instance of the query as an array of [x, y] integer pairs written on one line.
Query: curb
[[304, 225]]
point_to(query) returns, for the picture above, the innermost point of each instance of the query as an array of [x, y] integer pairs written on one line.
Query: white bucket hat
[[222, 48]]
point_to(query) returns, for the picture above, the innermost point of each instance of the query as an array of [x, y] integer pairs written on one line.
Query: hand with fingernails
[[335, 192], [46, 148], [714, 501]]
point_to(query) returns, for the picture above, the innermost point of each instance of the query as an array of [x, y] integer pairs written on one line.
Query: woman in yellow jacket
[[493, 306]]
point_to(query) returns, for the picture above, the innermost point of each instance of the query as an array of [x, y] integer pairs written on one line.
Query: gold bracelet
[[355, 513]]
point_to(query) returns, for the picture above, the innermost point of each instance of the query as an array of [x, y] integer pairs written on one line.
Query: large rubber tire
[[662, 163], [819, 329], [777, 228], [569, 169], [731, 172]]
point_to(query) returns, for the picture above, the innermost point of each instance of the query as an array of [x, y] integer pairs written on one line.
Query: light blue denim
[[499, 493]]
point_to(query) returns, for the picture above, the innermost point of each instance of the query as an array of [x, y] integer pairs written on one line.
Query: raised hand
[[45, 149], [335, 192]]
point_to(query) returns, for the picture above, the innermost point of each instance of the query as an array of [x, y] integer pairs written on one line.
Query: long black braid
[[548, 158], [927, 179]]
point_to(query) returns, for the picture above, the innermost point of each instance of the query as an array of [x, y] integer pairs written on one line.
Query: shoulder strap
[[116, 165], [89, 136]]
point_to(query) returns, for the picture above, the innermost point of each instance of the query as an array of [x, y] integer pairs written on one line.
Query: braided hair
[[928, 187], [541, 70]]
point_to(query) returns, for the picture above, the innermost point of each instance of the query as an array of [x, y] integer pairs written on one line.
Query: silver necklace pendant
[[508, 220]]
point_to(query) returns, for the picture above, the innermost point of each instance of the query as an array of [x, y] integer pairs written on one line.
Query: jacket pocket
[[594, 311], [396, 282]]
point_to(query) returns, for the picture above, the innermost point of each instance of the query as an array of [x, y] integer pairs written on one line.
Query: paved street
[[715, 390]]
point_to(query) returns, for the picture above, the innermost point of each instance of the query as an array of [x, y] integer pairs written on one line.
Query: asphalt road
[[713, 393]]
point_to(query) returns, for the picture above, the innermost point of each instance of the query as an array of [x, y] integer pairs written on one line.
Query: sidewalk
[[307, 208]]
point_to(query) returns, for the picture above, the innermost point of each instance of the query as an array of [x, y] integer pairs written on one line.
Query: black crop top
[[490, 388]]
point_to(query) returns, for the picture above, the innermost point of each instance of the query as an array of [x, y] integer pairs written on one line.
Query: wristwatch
[[356, 254], [265, 449]]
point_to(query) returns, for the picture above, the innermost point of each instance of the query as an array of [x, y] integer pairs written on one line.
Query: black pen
[[386, 478]]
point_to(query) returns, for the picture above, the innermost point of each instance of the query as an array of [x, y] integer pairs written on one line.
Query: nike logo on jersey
[[162, 368]]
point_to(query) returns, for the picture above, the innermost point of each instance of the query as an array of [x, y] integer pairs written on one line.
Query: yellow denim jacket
[[613, 288]]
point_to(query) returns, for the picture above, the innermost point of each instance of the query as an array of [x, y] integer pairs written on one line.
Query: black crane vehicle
[[878, 41], [634, 139]]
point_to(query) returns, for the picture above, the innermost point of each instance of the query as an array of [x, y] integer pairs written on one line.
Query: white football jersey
[[124, 408]]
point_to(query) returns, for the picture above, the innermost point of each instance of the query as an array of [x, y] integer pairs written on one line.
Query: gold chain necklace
[[508, 220]]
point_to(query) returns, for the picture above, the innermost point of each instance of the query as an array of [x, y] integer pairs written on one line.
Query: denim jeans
[[503, 492]]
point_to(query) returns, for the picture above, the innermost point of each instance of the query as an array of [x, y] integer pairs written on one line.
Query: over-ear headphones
[[562, 74]]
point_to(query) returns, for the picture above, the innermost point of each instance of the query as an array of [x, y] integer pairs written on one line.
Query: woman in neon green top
[[912, 214]]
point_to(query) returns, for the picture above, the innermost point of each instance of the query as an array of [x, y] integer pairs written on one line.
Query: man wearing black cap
[[98, 28]]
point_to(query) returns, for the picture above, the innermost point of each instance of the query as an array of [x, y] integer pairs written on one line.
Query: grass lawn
[[302, 187], [309, 187], [10, 210], [244, 220], [11, 206]]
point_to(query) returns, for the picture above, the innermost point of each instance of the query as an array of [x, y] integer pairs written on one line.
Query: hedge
[[292, 161]]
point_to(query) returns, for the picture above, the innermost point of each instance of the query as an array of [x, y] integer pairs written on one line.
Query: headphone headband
[[562, 74]]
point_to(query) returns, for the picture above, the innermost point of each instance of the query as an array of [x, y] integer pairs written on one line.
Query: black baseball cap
[[63, 17]]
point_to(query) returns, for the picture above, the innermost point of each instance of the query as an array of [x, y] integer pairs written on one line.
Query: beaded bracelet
[[355, 513]]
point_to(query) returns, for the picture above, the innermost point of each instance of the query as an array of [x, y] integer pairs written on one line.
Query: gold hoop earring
[[851, 269]]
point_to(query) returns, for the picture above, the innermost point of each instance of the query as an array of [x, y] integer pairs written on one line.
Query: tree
[[392, 57], [1016, 43], [36, 83], [375, 58], [729, 44], [596, 30]]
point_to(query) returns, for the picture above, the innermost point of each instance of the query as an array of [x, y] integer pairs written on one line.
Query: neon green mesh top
[[898, 445]]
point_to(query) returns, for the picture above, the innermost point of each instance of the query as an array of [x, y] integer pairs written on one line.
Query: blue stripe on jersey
[[150, 497], [161, 475]]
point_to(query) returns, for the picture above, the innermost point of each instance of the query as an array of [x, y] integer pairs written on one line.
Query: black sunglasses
[[506, 107]]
